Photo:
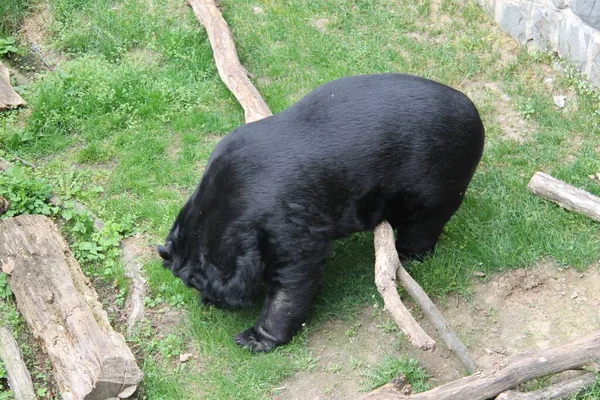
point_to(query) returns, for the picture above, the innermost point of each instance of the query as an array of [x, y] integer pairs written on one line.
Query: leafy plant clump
[[8, 45], [26, 194]]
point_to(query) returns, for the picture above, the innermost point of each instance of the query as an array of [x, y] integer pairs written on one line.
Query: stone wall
[[569, 27]]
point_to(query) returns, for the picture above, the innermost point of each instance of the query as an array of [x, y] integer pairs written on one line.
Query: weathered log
[[520, 369], [8, 97], [90, 360], [386, 265], [131, 257], [19, 378], [561, 390], [565, 195], [228, 64]]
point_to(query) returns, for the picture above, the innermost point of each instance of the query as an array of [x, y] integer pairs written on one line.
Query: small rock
[[257, 10], [185, 357], [559, 101], [505, 97], [488, 351], [573, 295], [479, 274]]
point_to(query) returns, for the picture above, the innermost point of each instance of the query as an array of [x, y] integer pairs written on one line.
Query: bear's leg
[[286, 308]]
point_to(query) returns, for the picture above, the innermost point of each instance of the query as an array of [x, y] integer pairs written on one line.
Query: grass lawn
[[135, 107]]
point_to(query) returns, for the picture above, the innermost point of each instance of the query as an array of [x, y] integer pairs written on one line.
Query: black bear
[[277, 192]]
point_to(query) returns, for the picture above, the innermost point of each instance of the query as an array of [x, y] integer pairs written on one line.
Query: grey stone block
[[513, 20], [588, 10], [560, 4], [573, 44], [543, 27]]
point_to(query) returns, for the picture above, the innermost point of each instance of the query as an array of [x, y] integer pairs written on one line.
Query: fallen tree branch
[[228, 64], [435, 316], [561, 390], [90, 360], [565, 195], [386, 265], [520, 369], [131, 257], [19, 378]]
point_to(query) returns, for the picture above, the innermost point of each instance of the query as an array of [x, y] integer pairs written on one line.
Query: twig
[[131, 256], [386, 265], [19, 378], [437, 319], [561, 390]]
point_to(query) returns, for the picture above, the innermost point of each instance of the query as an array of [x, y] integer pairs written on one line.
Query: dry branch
[[228, 64], [487, 384], [560, 390], [386, 265], [131, 257], [8, 97], [437, 319], [90, 360], [19, 379], [565, 195]]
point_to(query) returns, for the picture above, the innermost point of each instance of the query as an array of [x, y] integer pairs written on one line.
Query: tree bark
[[487, 384], [8, 97], [565, 195], [560, 390], [19, 379], [228, 64], [386, 265], [90, 360]]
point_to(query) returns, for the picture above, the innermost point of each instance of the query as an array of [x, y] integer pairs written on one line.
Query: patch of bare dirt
[[525, 310], [321, 24], [35, 31], [513, 125], [511, 313]]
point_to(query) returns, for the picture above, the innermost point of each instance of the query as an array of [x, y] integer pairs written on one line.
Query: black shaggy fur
[[277, 192]]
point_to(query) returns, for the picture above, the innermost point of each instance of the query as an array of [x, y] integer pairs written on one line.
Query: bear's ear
[[165, 252]]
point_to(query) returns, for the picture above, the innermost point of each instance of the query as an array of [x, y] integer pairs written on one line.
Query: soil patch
[[510, 313]]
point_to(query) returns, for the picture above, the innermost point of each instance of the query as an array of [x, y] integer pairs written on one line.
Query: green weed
[[383, 372]]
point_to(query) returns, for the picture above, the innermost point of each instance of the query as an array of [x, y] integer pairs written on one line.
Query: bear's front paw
[[255, 342]]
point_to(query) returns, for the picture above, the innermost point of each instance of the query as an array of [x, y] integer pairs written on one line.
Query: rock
[[587, 10], [559, 101]]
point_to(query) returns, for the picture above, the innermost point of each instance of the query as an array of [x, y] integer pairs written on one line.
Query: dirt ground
[[510, 313]]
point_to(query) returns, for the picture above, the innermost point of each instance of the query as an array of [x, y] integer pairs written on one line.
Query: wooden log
[[561, 390], [228, 64], [565, 195], [520, 369], [386, 265], [131, 257], [90, 360], [8, 97], [19, 378]]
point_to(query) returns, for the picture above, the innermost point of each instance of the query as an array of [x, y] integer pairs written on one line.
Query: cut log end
[[565, 195]]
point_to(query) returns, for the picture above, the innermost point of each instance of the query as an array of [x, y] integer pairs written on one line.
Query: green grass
[[136, 106], [383, 372]]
